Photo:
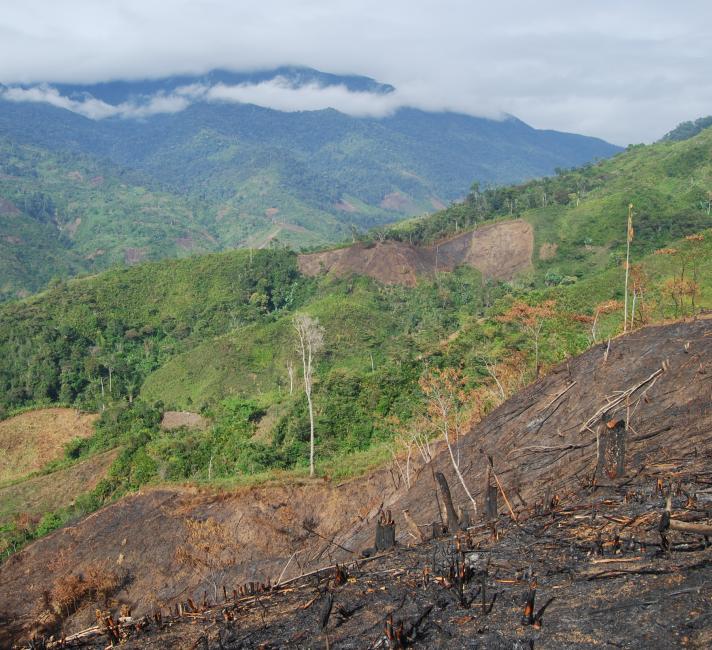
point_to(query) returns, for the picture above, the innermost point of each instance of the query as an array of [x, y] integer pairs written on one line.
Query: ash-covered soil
[[600, 572], [584, 516]]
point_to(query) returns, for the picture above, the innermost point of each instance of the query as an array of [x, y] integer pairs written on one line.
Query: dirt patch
[[186, 243], [271, 212], [72, 226], [397, 202], [31, 440], [144, 532], [11, 239], [177, 419], [389, 262], [134, 255], [8, 208], [41, 494], [548, 251], [499, 250]]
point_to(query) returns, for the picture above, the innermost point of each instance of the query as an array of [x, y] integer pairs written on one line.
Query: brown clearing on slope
[[548, 251], [499, 250], [31, 440], [8, 208], [177, 419], [47, 492]]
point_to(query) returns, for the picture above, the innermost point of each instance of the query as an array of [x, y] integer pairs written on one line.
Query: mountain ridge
[[250, 176]]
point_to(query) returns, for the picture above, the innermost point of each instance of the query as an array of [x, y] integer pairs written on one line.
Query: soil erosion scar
[[499, 250]]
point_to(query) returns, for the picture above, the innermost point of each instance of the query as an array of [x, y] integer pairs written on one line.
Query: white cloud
[[93, 108], [279, 94], [626, 71]]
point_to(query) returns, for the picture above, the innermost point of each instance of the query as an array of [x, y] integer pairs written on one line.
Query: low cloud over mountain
[[282, 92]]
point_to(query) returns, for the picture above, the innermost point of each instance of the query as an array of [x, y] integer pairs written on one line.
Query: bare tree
[[446, 402], [290, 372], [629, 238], [310, 341], [530, 318], [409, 437]]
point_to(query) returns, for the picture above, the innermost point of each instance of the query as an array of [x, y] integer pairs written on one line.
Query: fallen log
[[705, 530]]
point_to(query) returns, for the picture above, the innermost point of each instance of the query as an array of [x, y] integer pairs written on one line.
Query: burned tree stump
[[491, 505], [620, 433], [385, 532], [464, 517], [611, 444], [453, 523]]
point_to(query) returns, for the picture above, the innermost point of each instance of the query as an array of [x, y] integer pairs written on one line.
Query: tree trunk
[[453, 523], [311, 434]]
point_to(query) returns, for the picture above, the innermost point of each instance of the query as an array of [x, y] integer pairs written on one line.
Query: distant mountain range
[[95, 175]]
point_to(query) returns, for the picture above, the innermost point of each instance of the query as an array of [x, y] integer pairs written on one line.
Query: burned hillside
[[594, 495]]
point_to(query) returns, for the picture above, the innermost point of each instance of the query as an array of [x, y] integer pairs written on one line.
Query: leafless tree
[[445, 401], [290, 372], [629, 238], [310, 341]]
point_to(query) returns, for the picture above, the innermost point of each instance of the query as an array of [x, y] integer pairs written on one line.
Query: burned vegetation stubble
[[585, 513]]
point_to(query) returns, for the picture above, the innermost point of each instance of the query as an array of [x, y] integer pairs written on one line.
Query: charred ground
[[587, 532]]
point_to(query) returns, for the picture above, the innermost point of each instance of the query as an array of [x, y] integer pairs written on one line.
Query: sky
[[627, 71]]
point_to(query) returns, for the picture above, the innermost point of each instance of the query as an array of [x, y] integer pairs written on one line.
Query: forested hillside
[[214, 334], [63, 214], [95, 193]]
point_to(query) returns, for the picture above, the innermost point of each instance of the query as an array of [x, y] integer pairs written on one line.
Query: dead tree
[[310, 341], [611, 448]]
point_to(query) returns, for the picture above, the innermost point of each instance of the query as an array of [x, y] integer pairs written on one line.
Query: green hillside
[[214, 333], [64, 214], [80, 195], [579, 210]]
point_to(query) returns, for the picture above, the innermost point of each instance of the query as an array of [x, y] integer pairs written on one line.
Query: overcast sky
[[624, 70]]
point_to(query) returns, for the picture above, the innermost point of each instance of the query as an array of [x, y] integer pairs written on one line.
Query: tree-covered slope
[[215, 333], [65, 213], [72, 334], [219, 175], [579, 215]]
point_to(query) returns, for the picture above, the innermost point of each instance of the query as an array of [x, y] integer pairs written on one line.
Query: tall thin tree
[[629, 238], [310, 341]]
